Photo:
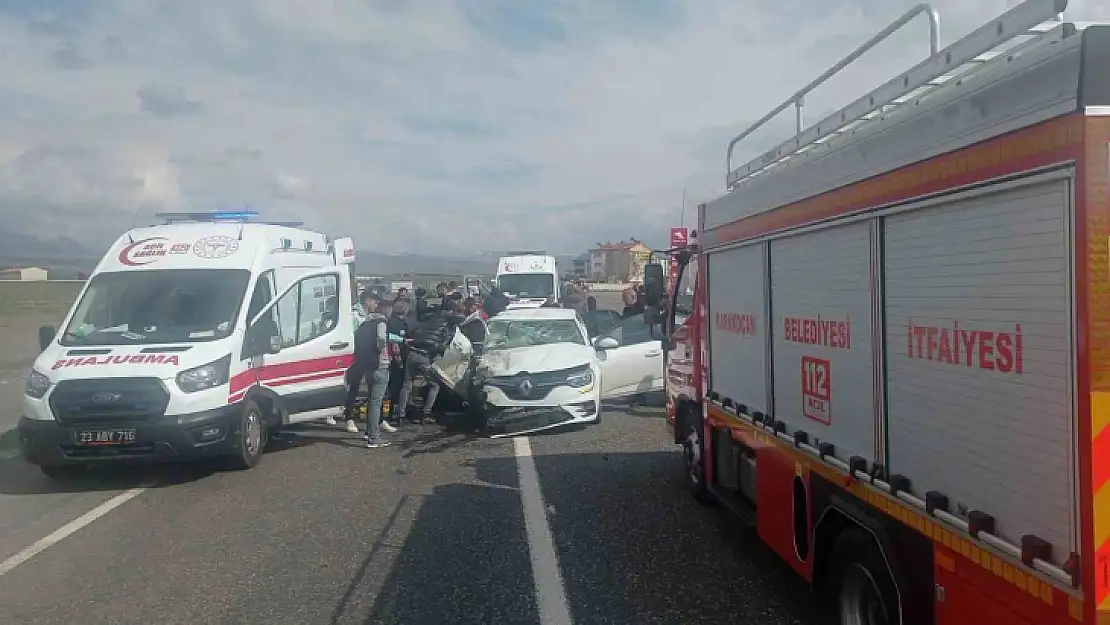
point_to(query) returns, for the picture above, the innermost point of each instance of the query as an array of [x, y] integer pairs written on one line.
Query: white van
[[194, 339], [529, 279]]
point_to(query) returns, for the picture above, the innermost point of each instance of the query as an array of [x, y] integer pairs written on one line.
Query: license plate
[[105, 437]]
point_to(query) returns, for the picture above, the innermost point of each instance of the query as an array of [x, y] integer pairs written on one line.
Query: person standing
[[398, 328], [372, 364], [429, 340], [633, 304], [367, 302]]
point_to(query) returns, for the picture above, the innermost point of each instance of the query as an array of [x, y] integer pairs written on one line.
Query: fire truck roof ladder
[[1030, 23]]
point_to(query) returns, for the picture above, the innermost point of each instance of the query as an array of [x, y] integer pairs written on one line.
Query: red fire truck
[[896, 364]]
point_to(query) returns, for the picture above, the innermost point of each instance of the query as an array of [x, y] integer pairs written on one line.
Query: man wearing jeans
[[372, 357]]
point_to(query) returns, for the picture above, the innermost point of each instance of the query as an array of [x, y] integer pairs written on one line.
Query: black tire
[[249, 438], [862, 590], [693, 455], [60, 473]]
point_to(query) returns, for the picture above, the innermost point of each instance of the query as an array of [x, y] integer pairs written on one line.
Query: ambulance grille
[[109, 400]]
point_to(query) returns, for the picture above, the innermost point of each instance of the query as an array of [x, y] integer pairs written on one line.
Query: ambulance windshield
[[526, 284], [161, 306]]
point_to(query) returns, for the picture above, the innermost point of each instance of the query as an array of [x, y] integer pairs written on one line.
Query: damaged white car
[[540, 370]]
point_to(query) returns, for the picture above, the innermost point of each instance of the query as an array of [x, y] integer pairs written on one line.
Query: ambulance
[[197, 338], [529, 279], [896, 367]]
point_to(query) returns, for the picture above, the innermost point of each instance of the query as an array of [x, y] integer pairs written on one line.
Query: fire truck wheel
[[864, 591], [250, 438], [693, 452]]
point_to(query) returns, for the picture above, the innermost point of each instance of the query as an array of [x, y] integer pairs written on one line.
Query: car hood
[[536, 358]]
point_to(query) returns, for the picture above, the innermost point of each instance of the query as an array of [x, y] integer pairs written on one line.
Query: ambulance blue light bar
[[238, 215]]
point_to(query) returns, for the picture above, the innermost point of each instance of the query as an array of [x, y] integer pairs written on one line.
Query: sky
[[417, 126]]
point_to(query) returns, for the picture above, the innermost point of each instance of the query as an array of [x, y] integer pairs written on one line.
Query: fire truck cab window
[[173, 305]]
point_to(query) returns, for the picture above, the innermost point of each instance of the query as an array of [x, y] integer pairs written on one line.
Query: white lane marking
[[551, 596], [69, 529]]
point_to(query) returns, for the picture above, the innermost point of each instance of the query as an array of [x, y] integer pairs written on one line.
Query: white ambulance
[[529, 279], [193, 339]]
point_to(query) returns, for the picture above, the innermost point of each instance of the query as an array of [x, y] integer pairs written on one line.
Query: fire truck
[[896, 364]]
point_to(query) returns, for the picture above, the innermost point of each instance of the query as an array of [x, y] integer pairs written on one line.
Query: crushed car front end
[[525, 401]]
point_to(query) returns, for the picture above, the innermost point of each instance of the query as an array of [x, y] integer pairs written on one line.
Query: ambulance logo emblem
[[215, 247]]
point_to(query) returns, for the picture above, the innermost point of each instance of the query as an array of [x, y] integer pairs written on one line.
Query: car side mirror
[[264, 337], [606, 342], [653, 284], [46, 337]]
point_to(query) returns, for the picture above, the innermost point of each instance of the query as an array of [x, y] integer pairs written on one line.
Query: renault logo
[[106, 398], [526, 387]]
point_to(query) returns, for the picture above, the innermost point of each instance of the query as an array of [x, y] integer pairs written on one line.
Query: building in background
[[619, 262], [581, 266], [24, 274]]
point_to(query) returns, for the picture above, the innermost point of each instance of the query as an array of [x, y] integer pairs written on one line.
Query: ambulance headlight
[[206, 376], [37, 385]]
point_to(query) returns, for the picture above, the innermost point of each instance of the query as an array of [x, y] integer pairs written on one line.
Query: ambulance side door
[[317, 343]]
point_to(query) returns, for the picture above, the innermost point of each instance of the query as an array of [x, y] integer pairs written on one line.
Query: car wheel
[[249, 438]]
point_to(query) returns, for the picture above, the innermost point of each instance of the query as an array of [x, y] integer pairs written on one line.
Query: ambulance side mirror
[[264, 337], [46, 337]]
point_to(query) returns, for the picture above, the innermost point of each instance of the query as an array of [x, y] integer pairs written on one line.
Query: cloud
[[440, 124]]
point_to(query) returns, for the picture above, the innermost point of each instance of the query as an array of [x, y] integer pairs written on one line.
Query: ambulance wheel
[[693, 455], [864, 591], [60, 472], [249, 438]]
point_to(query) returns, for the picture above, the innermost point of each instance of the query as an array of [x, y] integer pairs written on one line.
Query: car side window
[[308, 310], [634, 331]]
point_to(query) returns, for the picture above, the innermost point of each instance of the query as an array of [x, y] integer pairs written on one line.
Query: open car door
[[631, 360], [451, 368]]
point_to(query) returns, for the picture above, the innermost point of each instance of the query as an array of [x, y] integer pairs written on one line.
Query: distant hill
[[65, 257], [481, 263]]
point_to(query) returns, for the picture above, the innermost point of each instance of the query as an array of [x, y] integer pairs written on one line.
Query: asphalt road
[[439, 528]]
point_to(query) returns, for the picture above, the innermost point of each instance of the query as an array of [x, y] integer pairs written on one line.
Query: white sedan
[[540, 370]]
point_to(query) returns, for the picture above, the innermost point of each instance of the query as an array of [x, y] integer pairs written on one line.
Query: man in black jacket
[[421, 309], [398, 327], [429, 340], [496, 302], [372, 363]]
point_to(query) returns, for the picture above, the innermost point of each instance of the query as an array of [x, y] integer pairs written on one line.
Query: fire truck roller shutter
[[824, 364], [980, 357], [737, 325]]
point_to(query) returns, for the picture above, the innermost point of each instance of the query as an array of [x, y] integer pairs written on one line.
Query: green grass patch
[[51, 298]]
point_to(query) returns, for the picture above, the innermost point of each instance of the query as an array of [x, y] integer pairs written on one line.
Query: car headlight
[[206, 376], [580, 379], [37, 385]]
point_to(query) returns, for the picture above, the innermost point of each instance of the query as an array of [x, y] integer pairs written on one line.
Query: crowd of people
[[397, 340]]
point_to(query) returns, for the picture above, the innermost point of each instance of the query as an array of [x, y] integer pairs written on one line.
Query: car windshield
[[510, 333], [162, 306], [527, 284]]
